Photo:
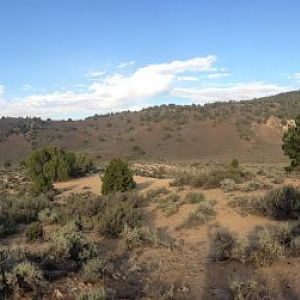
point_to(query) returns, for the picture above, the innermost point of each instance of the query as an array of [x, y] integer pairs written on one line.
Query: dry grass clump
[[254, 185], [139, 236], [242, 203], [212, 179], [106, 214], [250, 289], [15, 210], [225, 244], [278, 179], [281, 203], [153, 171], [228, 185], [95, 294], [170, 205], [48, 216], [69, 243], [194, 198], [25, 277], [204, 212], [18, 277], [118, 210], [262, 247], [94, 269], [161, 291], [34, 232], [154, 194]]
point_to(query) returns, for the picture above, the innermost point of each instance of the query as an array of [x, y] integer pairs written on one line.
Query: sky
[[76, 58]]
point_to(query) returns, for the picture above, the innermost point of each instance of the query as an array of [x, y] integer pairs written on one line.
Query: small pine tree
[[235, 163], [291, 145], [117, 177]]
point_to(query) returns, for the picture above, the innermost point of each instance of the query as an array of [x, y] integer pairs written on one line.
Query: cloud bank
[[116, 91], [240, 91]]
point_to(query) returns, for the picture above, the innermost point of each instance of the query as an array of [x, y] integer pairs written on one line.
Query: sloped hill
[[217, 131]]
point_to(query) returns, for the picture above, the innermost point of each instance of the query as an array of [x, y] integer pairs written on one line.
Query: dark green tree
[[234, 163], [117, 177], [291, 145], [50, 164]]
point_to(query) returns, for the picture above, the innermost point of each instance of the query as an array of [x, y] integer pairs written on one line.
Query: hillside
[[248, 130]]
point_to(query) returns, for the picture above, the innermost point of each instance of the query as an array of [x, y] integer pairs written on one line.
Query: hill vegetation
[[216, 131]]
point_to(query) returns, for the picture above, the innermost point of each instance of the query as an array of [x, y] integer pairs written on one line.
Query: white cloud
[[240, 91], [26, 87], [114, 92], [126, 64], [187, 78], [117, 91], [95, 73], [218, 75], [295, 76], [2, 101], [1, 91]]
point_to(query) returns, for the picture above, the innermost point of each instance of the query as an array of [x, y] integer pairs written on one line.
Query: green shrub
[[234, 163], [280, 203], [118, 210], [34, 231], [69, 243], [117, 177]]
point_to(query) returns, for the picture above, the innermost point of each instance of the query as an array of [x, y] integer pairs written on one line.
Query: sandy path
[[93, 184]]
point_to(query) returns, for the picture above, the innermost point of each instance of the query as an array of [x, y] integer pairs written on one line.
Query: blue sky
[[74, 58]]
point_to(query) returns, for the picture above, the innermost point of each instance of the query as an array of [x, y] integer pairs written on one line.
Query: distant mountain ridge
[[248, 130]]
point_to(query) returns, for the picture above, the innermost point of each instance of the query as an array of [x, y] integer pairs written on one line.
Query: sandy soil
[[93, 184], [192, 265]]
